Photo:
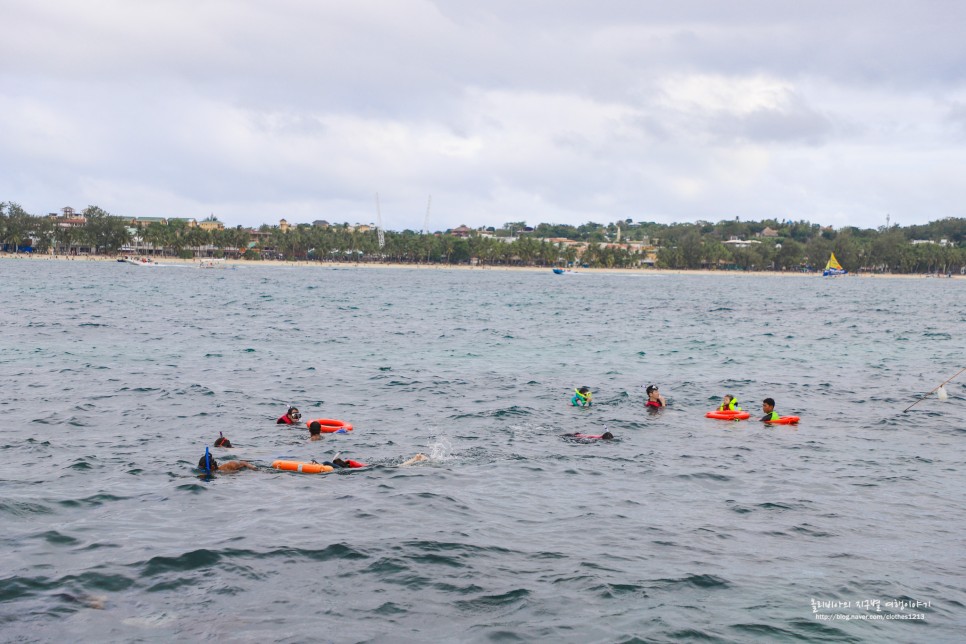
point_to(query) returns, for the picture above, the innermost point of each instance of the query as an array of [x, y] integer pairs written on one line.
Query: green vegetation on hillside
[[936, 247]]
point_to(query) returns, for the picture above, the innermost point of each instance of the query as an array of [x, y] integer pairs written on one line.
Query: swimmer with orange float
[[728, 410], [771, 416], [729, 403], [314, 467]]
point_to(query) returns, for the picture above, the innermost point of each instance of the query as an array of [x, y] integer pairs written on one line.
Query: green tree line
[[797, 245]]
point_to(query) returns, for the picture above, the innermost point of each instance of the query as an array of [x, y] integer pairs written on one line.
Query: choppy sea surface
[[846, 528]]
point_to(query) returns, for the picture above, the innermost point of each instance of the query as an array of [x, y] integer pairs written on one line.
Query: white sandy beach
[[441, 267]]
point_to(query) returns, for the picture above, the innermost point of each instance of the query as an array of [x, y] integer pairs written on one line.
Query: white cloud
[[546, 111]]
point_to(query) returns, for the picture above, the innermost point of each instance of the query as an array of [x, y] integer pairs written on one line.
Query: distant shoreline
[[448, 267]]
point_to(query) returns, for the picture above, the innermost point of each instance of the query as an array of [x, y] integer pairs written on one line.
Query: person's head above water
[[208, 462], [768, 404], [607, 436], [221, 441], [294, 413], [315, 428], [584, 390], [650, 389]]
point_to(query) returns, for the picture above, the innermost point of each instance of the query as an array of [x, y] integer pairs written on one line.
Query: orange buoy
[[728, 414], [302, 468], [784, 420], [331, 425]]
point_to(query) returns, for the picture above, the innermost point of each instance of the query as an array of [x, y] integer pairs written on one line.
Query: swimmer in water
[[418, 458], [291, 417], [315, 431], [343, 464], [582, 397], [654, 398], [729, 403], [209, 465], [606, 436], [768, 406], [222, 441]]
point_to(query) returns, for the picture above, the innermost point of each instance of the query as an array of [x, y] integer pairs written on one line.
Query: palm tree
[[43, 230], [157, 235]]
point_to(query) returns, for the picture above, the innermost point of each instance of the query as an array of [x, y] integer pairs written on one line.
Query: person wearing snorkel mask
[[582, 397], [209, 465], [291, 417], [654, 398]]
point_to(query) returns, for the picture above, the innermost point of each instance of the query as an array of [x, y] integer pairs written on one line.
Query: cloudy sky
[[564, 111]]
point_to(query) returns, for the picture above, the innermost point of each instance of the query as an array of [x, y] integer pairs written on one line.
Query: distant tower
[[426, 220], [887, 221], [381, 236]]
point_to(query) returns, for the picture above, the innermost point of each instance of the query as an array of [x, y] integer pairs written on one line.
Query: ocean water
[[848, 527]]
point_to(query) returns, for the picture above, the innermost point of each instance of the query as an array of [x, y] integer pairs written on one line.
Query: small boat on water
[[144, 261], [833, 268], [561, 271]]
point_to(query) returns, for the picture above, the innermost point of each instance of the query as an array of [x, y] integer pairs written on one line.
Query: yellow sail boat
[[833, 267]]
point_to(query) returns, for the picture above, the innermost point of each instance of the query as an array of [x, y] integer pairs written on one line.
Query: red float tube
[[784, 420], [728, 414], [331, 425]]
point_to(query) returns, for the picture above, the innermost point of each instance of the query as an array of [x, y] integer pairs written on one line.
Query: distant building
[[190, 222], [461, 231], [768, 232], [283, 225], [734, 242], [68, 221], [211, 224], [321, 223], [562, 240]]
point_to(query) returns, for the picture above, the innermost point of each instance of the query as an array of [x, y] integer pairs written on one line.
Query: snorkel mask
[[294, 413]]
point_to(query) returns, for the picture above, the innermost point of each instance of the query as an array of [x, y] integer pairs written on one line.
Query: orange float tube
[[331, 425], [728, 414], [784, 420], [302, 468]]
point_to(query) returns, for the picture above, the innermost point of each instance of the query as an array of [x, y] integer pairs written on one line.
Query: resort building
[[734, 242], [212, 224], [147, 221]]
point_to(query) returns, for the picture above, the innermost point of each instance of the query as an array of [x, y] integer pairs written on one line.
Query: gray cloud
[[558, 111]]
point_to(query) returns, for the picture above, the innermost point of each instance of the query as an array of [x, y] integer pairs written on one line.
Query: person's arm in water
[[415, 459], [235, 466]]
